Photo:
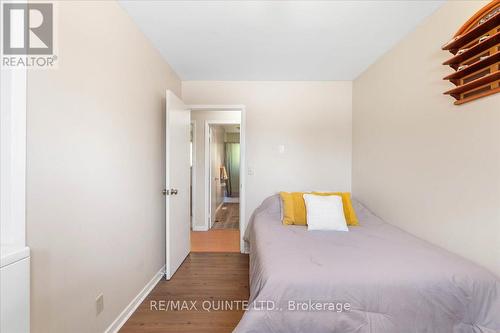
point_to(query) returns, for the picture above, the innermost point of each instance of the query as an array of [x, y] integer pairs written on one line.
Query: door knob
[[172, 191]]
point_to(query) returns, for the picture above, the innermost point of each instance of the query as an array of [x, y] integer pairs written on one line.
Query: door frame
[[193, 174], [242, 123], [208, 167]]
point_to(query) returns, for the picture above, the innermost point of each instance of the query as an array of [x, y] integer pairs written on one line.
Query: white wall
[[199, 118], [420, 162], [13, 157], [312, 120], [95, 211]]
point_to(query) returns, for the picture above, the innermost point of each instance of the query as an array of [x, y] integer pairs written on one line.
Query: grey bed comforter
[[375, 278]]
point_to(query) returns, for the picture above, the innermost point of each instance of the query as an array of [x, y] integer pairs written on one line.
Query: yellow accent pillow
[[294, 207]]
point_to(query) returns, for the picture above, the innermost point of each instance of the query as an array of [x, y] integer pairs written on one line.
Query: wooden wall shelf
[[483, 80], [476, 56], [461, 40], [483, 94], [474, 50], [474, 67]]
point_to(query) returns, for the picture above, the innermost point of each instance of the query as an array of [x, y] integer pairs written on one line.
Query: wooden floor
[[227, 216], [211, 277], [215, 240]]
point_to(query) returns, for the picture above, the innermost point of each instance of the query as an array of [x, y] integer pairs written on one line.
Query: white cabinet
[[15, 290]]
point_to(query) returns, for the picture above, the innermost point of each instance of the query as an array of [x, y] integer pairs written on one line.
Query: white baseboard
[[200, 228], [231, 200], [134, 304]]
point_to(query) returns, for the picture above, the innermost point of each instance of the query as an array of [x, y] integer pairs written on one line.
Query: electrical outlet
[[99, 304]]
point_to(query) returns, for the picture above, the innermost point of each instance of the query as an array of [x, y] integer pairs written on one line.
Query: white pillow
[[325, 212]]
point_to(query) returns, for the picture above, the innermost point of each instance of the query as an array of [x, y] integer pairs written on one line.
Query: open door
[[178, 122]]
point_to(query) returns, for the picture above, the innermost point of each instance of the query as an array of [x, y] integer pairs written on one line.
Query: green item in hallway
[[233, 169]]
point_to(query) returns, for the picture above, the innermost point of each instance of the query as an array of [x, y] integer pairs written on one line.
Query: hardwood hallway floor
[[215, 240], [203, 278], [227, 217]]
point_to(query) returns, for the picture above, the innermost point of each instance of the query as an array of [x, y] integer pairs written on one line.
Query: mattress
[[375, 278]]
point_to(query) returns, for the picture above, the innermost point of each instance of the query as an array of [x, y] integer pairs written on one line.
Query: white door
[[178, 121]]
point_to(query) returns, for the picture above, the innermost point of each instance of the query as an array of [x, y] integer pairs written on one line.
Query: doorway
[[224, 152], [217, 180]]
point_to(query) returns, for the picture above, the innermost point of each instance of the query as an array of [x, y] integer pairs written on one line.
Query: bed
[[375, 278]]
